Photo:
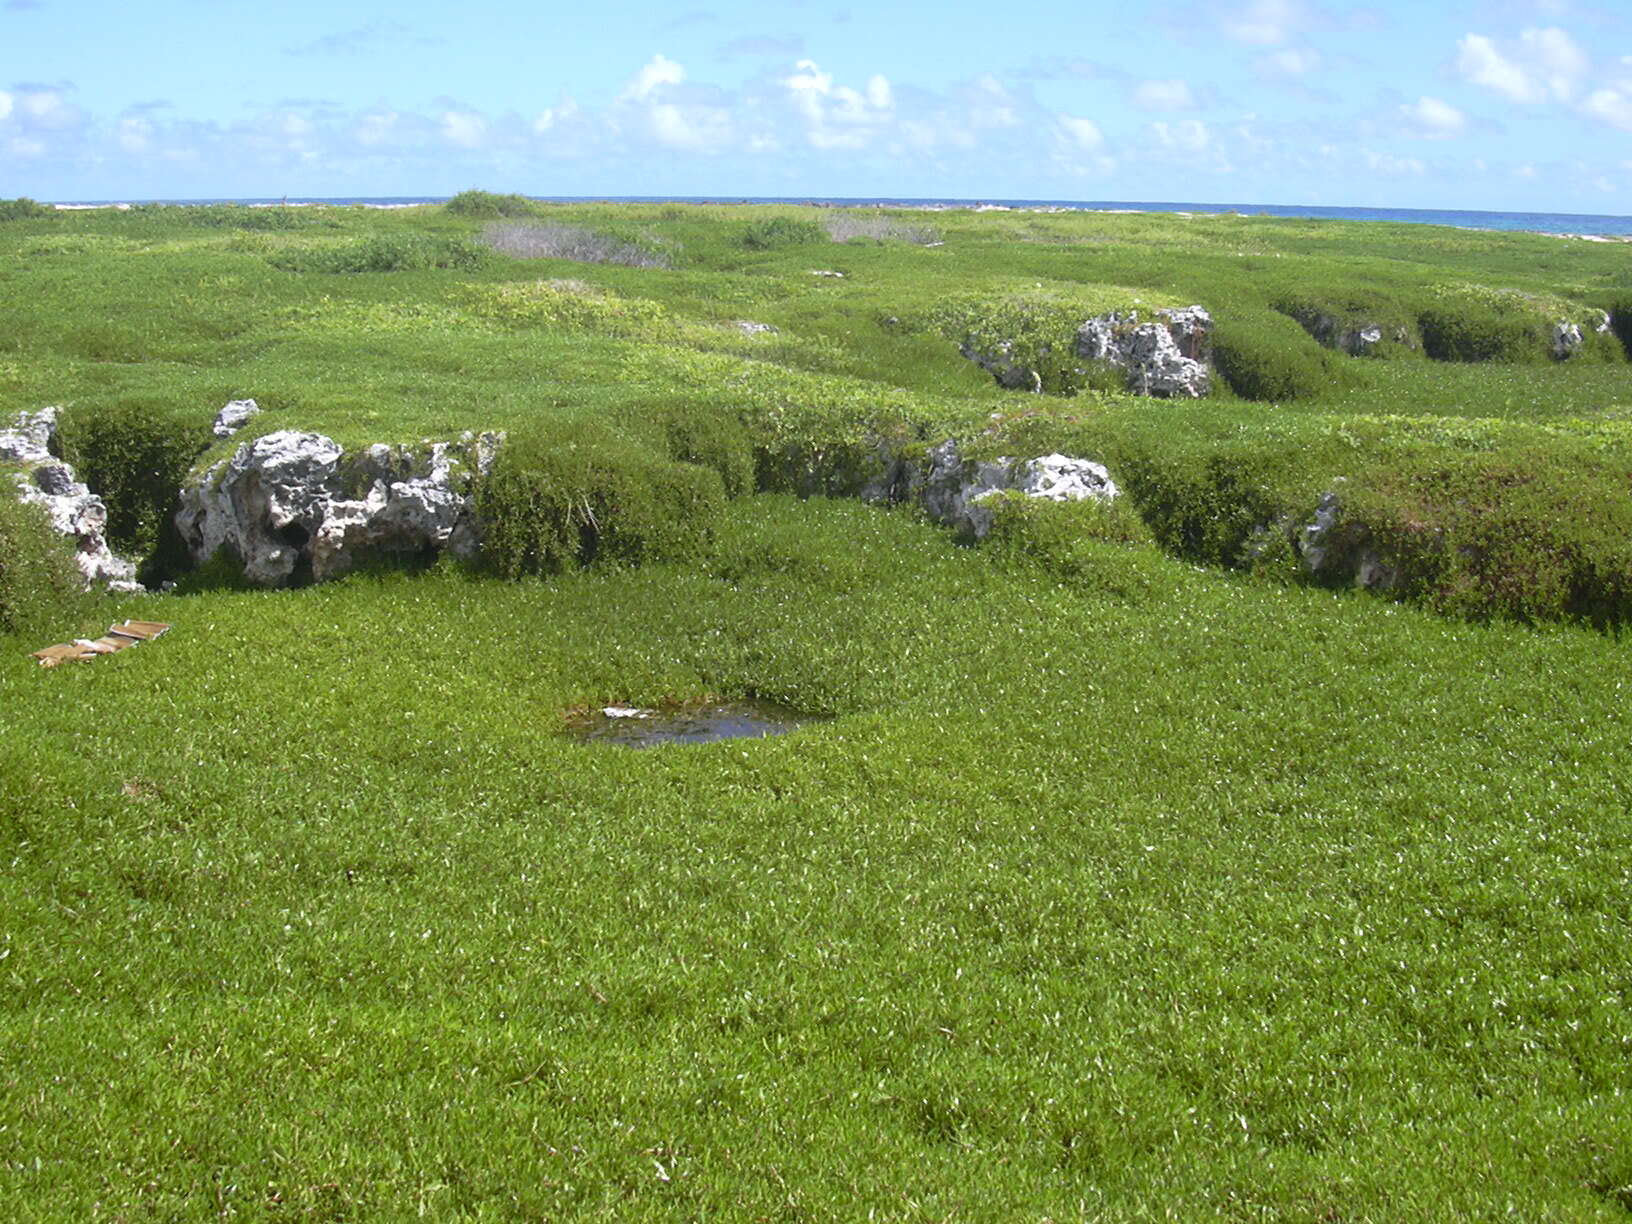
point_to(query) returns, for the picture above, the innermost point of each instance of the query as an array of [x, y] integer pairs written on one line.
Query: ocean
[[1590, 224]]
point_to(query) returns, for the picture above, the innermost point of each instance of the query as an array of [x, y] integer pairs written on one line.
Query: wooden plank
[[146, 630], [117, 638]]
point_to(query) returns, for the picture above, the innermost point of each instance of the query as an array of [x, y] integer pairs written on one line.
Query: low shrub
[[568, 304], [1269, 357], [474, 203], [382, 253], [24, 209], [564, 498], [1095, 547], [557, 240], [1528, 533], [135, 453], [776, 232], [705, 433], [41, 589], [1468, 330], [259, 218]]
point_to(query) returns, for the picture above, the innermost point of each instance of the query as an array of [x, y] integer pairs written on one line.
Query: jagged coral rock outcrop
[[1168, 358], [956, 491], [45, 480], [295, 505]]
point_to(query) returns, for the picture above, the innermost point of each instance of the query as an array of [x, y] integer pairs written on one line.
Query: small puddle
[[634, 727]]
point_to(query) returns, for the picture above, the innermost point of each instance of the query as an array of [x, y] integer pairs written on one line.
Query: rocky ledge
[[43, 479], [296, 507], [1169, 357]]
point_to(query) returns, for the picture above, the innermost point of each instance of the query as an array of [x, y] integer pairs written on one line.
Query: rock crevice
[[45, 480]]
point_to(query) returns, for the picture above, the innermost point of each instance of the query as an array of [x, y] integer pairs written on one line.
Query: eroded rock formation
[[45, 480], [957, 492], [1168, 358], [294, 505]]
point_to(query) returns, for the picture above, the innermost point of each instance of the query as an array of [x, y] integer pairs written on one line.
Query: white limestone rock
[[1167, 358], [234, 416], [1567, 340], [42, 479], [293, 505], [956, 492]]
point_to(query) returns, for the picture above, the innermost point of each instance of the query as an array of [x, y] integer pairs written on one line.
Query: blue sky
[[1505, 104]]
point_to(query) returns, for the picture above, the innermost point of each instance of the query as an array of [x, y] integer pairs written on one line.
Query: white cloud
[[1171, 95], [694, 129], [1433, 119], [837, 116], [376, 128], [1265, 23], [1387, 163], [466, 129], [657, 72], [1080, 133], [44, 109], [134, 134], [5, 104], [1543, 65], [1291, 63], [991, 105], [1191, 135], [1612, 106], [566, 109]]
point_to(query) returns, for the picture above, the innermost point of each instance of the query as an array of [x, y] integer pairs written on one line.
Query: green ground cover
[[1133, 875]]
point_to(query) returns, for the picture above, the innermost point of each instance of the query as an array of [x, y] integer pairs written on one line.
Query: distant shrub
[[41, 589], [381, 253], [24, 209], [850, 226], [1472, 331], [135, 453], [474, 203], [561, 498], [773, 233], [260, 218], [1269, 357], [558, 240]]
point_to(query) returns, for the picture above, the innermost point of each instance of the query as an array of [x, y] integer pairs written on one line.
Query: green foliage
[[1512, 531], [41, 589], [1269, 357], [488, 204], [24, 209], [570, 305], [381, 253], [578, 243], [1620, 323], [254, 218], [1202, 900], [1093, 547], [1328, 316], [1472, 330], [558, 499], [774, 233], [135, 453]]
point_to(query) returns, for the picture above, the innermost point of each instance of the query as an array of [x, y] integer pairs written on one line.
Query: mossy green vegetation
[[1136, 872]]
